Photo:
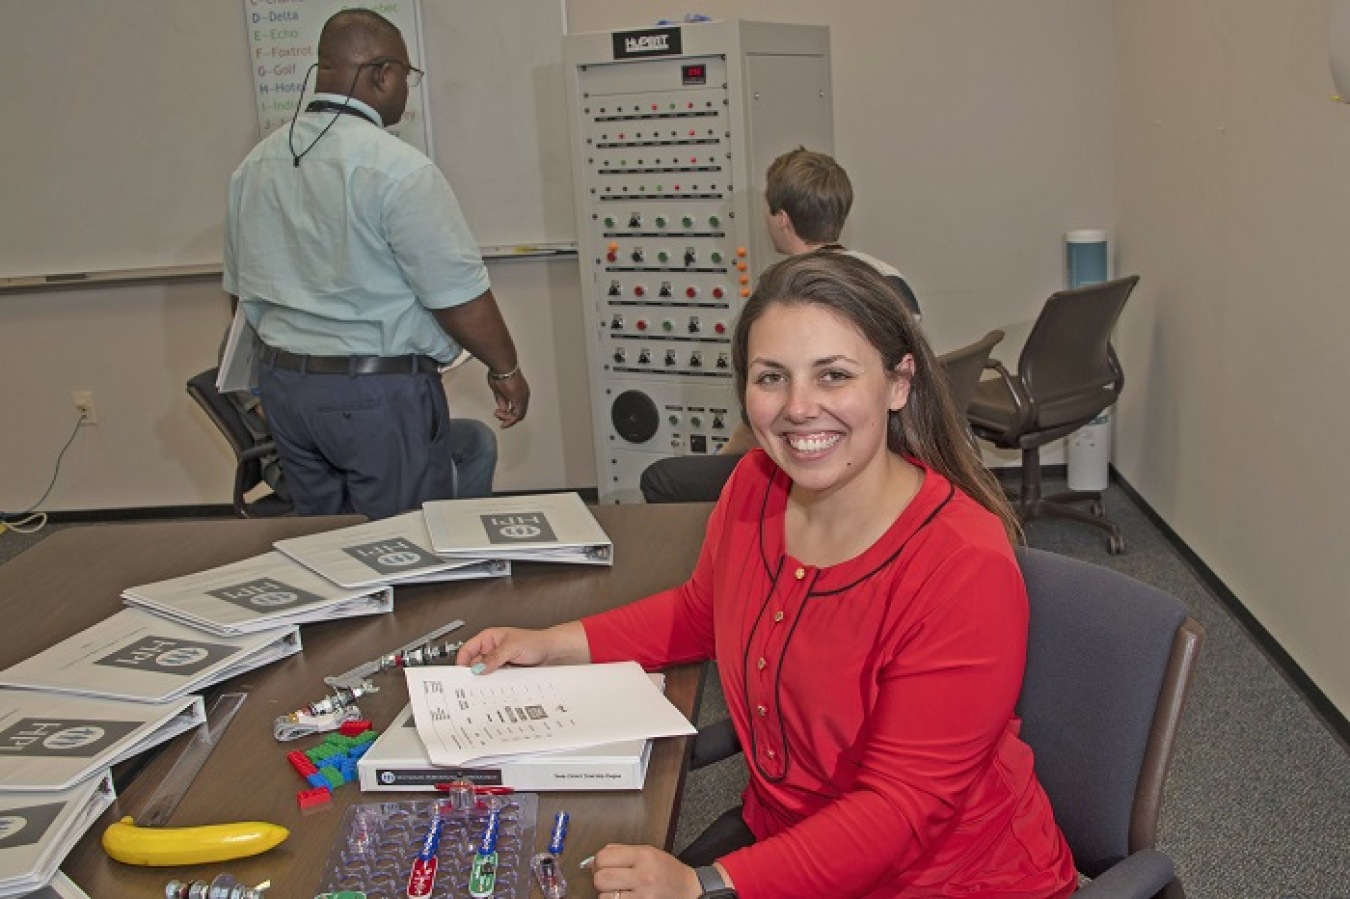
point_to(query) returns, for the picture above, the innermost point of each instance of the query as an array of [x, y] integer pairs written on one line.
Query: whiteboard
[[283, 48], [123, 122]]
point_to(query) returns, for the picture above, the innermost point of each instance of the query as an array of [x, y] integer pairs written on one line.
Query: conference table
[[73, 579]]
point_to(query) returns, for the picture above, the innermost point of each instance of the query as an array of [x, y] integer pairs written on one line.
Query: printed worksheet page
[[484, 719]]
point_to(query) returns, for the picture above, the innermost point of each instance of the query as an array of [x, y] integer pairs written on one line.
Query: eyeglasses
[[414, 74]]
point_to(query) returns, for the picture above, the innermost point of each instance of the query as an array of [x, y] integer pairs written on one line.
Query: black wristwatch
[[714, 887]]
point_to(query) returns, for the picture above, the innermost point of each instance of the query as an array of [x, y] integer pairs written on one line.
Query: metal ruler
[[165, 799]]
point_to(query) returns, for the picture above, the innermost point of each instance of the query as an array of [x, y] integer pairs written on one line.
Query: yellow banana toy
[[165, 846]]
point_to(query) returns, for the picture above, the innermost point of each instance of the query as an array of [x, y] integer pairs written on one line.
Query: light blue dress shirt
[[347, 253]]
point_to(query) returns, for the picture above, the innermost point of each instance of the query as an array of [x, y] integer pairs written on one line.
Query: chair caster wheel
[[1115, 545], [1098, 508]]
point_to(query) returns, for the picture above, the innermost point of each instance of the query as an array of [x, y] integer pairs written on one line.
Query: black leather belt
[[351, 365]]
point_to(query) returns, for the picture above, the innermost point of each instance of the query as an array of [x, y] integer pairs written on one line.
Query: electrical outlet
[[84, 405]]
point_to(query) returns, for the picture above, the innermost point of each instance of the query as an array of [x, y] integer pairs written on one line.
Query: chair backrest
[[964, 367], [1067, 363], [1109, 663], [202, 388], [246, 449]]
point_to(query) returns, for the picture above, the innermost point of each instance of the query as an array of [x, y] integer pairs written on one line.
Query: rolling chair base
[[1031, 503], [1057, 506]]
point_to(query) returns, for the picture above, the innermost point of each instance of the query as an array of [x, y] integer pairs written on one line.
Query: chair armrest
[[1143, 875], [1024, 407], [258, 451], [714, 743]]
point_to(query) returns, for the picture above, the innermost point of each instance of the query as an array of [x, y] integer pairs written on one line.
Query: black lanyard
[[340, 109]]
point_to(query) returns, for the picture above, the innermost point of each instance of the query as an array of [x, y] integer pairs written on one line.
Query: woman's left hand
[[642, 872]]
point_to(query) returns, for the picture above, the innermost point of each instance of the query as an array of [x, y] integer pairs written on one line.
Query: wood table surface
[[74, 578]]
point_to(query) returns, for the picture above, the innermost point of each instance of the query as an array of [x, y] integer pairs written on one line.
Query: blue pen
[[545, 865]]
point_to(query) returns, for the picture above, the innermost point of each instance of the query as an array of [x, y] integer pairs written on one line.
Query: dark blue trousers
[[375, 444]]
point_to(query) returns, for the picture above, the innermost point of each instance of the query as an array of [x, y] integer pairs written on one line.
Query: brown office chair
[[248, 450], [964, 367], [1066, 376], [1109, 666]]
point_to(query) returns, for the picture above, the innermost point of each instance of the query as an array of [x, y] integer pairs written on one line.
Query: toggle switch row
[[674, 359], [694, 325], [636, 220]]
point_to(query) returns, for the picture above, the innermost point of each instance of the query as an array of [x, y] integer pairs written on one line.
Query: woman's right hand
[[489, 650]]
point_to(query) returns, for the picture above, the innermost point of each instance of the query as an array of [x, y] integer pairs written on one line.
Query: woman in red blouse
[[858, 589]]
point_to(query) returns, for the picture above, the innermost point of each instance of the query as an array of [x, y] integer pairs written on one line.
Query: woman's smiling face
[[818, 396]]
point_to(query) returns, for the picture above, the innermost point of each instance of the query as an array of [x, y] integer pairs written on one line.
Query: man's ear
[[379, 77]]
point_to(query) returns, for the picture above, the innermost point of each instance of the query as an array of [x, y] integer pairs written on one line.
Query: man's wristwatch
[[714, 887]]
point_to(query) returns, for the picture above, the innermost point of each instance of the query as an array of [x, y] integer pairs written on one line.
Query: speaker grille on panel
[[635, 416]]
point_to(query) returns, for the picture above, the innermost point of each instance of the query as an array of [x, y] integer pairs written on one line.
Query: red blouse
[[874, 699]]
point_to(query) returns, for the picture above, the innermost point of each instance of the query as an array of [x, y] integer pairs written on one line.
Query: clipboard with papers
[[241, 356], [266, 591], [544, 527]]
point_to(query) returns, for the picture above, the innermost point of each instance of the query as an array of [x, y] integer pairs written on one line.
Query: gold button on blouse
[[771, 754], [760, 664], [800, 573], [761, 711], [777, 616]]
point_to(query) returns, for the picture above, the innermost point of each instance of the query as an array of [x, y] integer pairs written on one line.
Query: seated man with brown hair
[[808, 198]]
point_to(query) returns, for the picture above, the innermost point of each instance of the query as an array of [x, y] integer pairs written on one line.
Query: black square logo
[[61, 737], [266, 595], [648, 42], [168, 655], [25, 826], [396, 555], [518, 527]]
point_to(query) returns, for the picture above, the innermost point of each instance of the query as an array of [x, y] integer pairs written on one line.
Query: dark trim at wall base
[[1323, 707], [143, 513]]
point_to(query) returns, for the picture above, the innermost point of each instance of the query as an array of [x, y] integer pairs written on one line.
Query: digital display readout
[[695, 73]]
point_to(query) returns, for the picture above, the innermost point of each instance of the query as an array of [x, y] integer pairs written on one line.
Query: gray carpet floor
[[1257, 804], [1258, 801]]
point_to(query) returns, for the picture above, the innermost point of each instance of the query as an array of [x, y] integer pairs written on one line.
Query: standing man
[[354, 263], [808, 197]]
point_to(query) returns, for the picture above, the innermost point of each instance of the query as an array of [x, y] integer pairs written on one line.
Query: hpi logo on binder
[[167, 655], [518, 527], [649, 42], [25, 826], [264, 593], [392, 556], [64, 737]]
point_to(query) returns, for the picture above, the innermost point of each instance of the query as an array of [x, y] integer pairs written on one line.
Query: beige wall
[[135, 347], [1233, 202], [977, 132]]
